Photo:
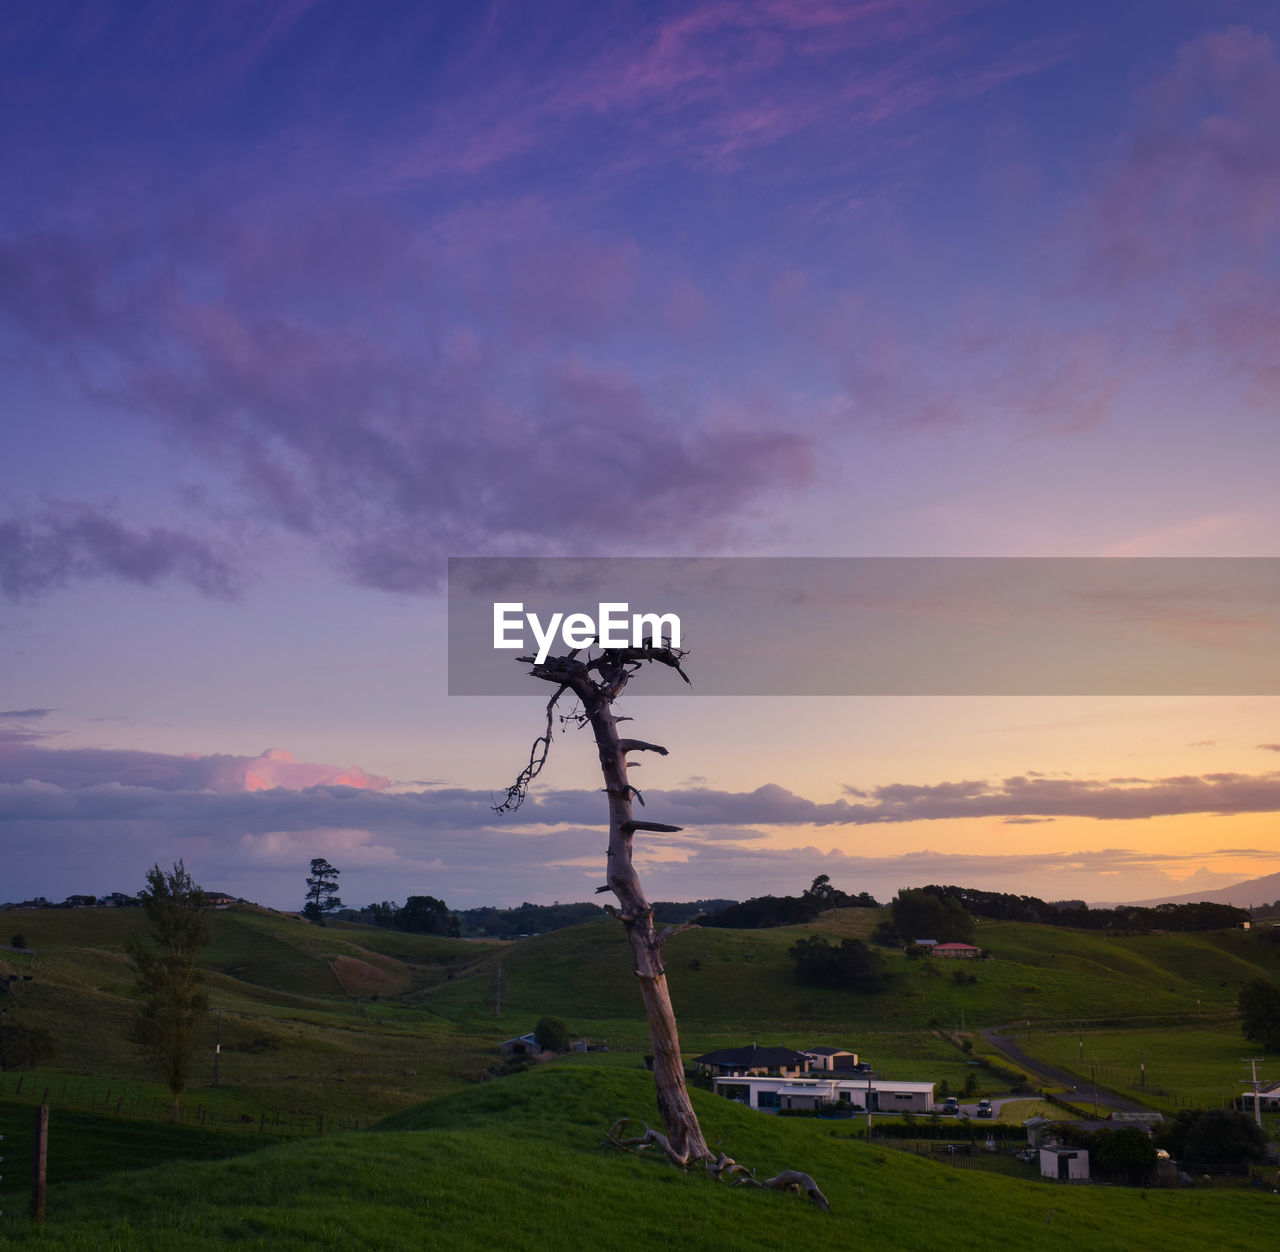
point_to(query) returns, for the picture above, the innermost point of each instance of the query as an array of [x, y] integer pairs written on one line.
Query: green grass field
[[516, 1163], [356, 1022], [1199, 1066], [341, 1026]]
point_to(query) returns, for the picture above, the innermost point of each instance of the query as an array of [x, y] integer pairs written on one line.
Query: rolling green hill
[[358, 1022], [516, 1163]]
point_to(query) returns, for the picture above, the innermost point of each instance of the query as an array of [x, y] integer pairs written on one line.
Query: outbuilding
[[1065, 1164], [831, 1058]]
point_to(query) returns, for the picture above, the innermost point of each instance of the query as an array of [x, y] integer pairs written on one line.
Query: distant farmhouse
[[957, 951], [521, 1045]]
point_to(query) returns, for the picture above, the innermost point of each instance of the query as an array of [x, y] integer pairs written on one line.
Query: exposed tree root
[[722, 1168]]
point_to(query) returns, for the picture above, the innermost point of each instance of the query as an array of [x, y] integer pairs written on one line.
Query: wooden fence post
[[40, 1162]]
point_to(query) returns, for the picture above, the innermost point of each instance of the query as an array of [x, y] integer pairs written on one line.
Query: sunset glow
[[299, 300]]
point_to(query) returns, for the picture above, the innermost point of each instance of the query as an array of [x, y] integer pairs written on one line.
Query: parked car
[[950, 1107], [984, 1108]]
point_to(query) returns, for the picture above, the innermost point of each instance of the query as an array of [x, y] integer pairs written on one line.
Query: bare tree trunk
[[636, 914], [597, 683]]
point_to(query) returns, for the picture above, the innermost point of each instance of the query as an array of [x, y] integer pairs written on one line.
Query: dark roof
[[828, 1052], [754, 1057]]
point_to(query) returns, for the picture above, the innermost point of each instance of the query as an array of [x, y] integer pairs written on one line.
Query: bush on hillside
[[851, 966], [552, 1035]]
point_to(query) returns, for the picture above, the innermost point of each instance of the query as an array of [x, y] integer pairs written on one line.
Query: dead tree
[[597, 682]]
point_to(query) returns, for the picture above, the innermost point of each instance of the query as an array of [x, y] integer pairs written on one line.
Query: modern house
[[830, 1058], [219, 899], [754, 1060], [957, 951], [1269, 1098], [777, 1092]]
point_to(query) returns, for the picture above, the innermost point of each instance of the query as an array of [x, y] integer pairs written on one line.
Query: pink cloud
[[277, 768]]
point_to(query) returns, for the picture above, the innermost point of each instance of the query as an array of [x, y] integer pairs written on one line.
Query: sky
[[300, 299]]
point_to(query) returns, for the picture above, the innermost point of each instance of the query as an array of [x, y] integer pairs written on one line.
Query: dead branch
[[794, 1180], [639, 745], [638, 1143], [721, 1168], [658, 828], [672, 931], [537, 759]]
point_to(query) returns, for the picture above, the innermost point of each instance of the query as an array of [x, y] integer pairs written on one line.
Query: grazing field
[[356, 1022], [1198, 1066], [516, 1163], [343, 1026]]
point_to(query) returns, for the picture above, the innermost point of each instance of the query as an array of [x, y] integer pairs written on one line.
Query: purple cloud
[[73, 542], [272, 791], [349, 407], [73, 769]]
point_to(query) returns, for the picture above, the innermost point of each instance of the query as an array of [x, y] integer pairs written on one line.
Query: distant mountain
[[1254, 891]]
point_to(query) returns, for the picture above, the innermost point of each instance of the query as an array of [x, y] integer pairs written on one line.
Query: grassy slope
[[303, 1032], [515, 1163], [295, 1039]]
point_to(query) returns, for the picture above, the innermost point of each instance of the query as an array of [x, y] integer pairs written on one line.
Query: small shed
[[1038, 1130], [521, 1045], [1065, 1164]]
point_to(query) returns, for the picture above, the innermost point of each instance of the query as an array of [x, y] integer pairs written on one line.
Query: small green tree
[[164, 952], [921, 914], [1259, 1004], [1126, 1154], [552, 1035], [425, 915], [322, 891], [1224, 1137]]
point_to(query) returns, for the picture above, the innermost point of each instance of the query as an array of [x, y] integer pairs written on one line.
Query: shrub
[[552, 1035]]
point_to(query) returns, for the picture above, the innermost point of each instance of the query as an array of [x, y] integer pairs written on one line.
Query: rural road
[[1082, 1087]]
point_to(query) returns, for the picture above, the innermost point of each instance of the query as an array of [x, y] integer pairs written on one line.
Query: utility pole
[[1142, 1065], [217, 1050], [868, 1106], [1256, 1083], [497, 992]]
